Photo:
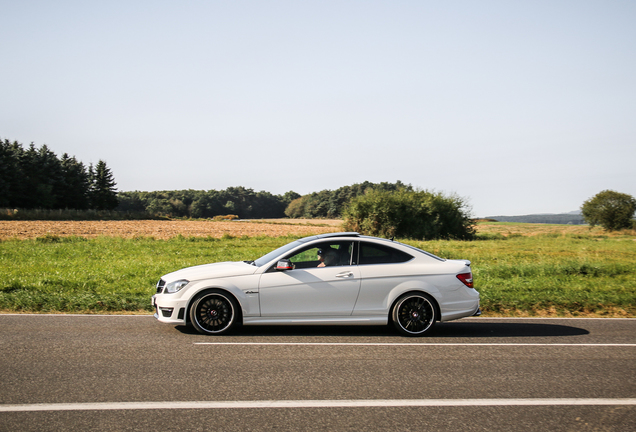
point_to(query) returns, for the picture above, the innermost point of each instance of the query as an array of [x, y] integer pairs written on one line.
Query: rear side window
[[378, 254]]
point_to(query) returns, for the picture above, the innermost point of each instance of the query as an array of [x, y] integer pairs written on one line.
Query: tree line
[[245, 203], [331, 204], [36, 178], [242, 202], [33, 178]]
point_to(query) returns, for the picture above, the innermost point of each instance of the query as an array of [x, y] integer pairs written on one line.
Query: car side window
[[371, 253], [327, 254]]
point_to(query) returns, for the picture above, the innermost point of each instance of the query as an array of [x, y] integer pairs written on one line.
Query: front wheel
[[214, 313], [414, 314]]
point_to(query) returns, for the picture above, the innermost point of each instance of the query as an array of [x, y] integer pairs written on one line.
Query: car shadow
[[460, 329], [456, 329], [303, 330]]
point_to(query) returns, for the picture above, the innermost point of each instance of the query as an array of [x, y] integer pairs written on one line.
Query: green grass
[[106, 274], [554, 275]]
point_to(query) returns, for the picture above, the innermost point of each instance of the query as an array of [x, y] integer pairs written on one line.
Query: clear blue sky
[[518, 106]]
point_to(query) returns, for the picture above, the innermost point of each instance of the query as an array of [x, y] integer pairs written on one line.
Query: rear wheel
[[414, 314], [214, 313]]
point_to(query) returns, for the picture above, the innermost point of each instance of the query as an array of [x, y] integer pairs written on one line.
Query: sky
[[519, 107]]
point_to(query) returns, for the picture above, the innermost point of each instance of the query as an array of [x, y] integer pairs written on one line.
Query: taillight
[[467, 279]]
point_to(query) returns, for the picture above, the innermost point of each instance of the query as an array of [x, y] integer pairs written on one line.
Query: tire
[[214, 313], [414, 314]]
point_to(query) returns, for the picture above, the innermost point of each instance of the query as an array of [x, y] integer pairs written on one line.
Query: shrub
[[419, 215]]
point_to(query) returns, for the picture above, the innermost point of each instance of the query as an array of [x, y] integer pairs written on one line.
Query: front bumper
[[169, 310]]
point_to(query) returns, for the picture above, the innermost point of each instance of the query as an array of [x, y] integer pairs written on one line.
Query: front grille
[[160, 285]]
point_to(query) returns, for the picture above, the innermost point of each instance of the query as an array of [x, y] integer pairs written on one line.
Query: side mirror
[[284, 264]]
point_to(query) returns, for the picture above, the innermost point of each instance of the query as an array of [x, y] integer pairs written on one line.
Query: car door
[[310, 290], [381, 269]]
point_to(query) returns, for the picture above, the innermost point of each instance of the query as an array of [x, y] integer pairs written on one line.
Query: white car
[[331, 279]]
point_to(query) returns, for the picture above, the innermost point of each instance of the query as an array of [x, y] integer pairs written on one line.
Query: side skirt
[[315, 320]]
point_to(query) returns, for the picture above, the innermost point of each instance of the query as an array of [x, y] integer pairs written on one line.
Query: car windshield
[[273, 254]]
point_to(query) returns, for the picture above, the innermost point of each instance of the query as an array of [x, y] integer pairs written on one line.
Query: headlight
[[175, 286]]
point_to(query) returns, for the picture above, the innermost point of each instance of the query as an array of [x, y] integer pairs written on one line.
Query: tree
[[74, 193], [103, 194], [610, 209], [41, 180], [11, 175], [420, 215], [289, 197], [296, 208]]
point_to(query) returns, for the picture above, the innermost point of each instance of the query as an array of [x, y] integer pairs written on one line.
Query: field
[[162, 229], [111, 267]]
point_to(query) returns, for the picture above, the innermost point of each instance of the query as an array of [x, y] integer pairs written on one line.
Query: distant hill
[[571, 218]]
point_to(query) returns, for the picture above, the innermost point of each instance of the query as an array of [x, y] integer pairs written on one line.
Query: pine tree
[[103, 194], [75, 191], [41, 178], [10, 173]]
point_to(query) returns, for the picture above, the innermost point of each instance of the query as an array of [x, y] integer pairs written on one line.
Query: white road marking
[[414, 344], [362, 403]]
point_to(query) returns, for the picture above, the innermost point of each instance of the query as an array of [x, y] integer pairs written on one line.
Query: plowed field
[[162, 229]]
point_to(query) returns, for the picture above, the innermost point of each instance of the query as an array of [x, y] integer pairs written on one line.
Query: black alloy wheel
[[414, 314], [214, 313]]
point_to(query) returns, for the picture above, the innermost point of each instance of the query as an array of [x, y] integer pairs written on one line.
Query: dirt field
[[163, 229], [251, 228], [528, 229]]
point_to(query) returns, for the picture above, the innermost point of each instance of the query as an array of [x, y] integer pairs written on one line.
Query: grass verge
[[517, 275], [106, 274]]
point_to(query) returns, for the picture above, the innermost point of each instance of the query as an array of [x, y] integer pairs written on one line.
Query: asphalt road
[[479, 374]]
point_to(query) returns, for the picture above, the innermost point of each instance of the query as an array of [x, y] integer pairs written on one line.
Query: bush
[[418, 215]]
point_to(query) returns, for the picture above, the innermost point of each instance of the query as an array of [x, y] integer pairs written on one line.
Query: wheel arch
[[212, 289], [438, 315]]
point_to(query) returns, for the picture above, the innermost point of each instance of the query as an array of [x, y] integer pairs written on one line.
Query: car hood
[[211, 271]]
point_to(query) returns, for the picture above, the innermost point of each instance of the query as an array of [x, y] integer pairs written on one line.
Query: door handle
[[344, 275]]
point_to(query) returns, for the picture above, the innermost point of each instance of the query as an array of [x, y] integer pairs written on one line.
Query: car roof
[[341, 234], [328, 235]]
